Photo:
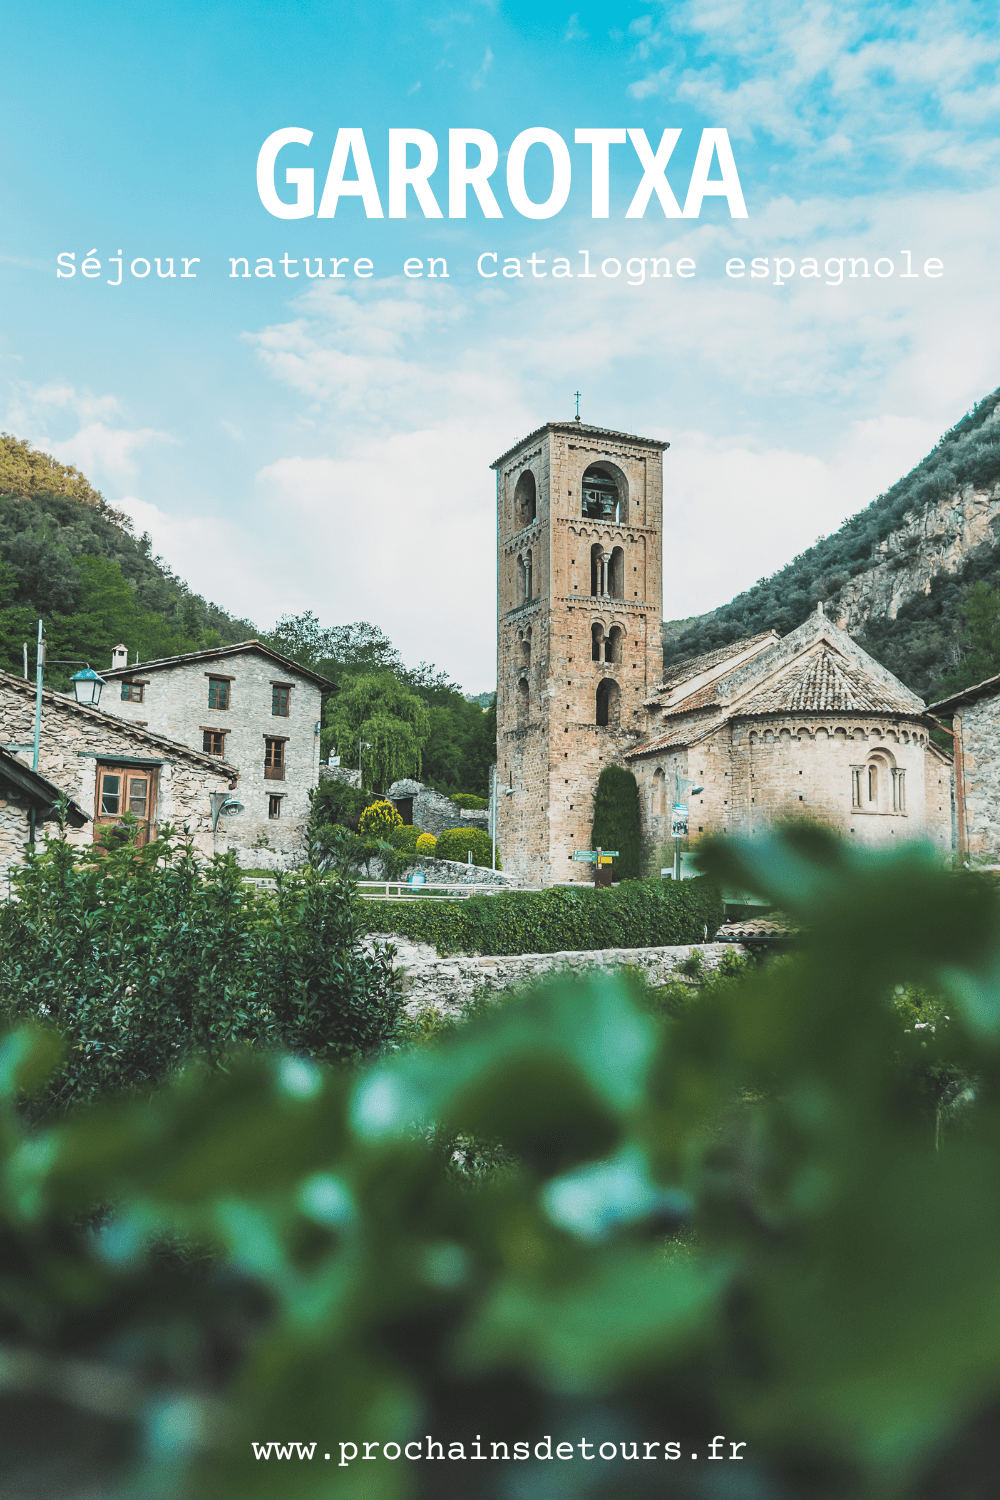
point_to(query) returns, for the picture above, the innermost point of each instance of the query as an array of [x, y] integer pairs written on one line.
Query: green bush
[[379, 820], [469, 801], [144, 960], [458, 843], [638, 914], [562, 1221], [426, 846], [616, 821], [405, 837], [336, 801]]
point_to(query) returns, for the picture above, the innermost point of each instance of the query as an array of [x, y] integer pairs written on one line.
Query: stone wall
[[978, 723], [74, 740], [756, 771], [435, 813], [445, 983], [175, 704]]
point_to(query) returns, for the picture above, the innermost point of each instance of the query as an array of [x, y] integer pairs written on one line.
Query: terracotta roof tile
[[825, 683], [693, 666]]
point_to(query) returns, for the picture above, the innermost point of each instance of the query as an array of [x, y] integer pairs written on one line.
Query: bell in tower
[[600, 496]]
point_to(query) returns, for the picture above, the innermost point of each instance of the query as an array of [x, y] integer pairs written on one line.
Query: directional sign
[[611, 853], [680, 809], [585, 856]]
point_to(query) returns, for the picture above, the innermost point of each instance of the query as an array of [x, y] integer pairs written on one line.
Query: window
[[274, 807], [132, 692], [110, 795], [213, 741], [898, 791], [274, 760], [218, 695], [855, 786], [600, 496], [279, 699], [873, 785]]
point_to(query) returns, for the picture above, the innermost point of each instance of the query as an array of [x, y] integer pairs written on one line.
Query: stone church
[[808, 725]]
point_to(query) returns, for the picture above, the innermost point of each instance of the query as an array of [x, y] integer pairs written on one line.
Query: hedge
[[459, 843], [635, 914]]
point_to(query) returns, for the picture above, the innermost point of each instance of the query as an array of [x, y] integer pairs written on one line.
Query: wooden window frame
[[127, 774], [274, 772], [211, 729], [285, 687], [275, 799], [213, 680], [131, 684]]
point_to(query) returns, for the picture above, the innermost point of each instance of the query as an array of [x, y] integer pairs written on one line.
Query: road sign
[[680, 809], [585, 856]]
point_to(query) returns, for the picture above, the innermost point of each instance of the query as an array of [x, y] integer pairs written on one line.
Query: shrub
[[469, 801], [639, 914], [458, 843], [427, 846], [405, 837], [616, 820], [336, 801], [379, 820], [143, 960]]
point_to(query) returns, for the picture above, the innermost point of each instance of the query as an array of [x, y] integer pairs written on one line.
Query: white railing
[[398, 890]]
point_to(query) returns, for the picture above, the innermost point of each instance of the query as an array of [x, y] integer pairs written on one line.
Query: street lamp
[[87, 686], [221, 803]]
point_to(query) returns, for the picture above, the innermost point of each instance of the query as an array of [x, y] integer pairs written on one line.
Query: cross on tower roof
[[577, 395]]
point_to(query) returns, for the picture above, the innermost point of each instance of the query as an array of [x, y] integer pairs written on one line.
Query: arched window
[[526, 649], [598, 581], [601, 499], [522, 702], [616, 574], [520, 581], [659, 793], [596, 641], [525, 500], [613, 645], [607, 702]]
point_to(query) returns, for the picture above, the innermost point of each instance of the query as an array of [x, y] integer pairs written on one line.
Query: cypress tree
[[616, 820]]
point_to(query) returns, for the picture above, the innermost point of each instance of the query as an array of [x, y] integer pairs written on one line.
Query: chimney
[[119, 657]]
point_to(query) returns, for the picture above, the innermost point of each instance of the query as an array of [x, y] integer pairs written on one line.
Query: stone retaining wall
[[444, 983]]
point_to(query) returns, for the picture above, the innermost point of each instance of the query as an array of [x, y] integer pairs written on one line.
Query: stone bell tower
[[579, 644]]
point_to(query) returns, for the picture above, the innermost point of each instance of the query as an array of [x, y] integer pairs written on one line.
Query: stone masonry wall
[[175, 703], [978, 723], [756, 771], [74, 738], [445, 983], [435, 813]]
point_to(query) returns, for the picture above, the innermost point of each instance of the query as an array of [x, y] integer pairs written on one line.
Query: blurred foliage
[[921, 644], [143, 959], [564, 1222], [635, 914]]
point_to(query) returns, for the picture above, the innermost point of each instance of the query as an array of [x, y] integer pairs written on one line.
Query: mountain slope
[[896, 572], [69, 558]]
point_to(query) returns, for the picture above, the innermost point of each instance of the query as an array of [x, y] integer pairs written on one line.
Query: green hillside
[[924, 645], [70, 559]]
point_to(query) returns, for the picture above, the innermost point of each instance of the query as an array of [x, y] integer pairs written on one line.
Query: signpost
[[598, 857]]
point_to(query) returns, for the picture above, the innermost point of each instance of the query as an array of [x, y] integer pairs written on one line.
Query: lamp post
[[679, 782], [221, 803], [86, 687]]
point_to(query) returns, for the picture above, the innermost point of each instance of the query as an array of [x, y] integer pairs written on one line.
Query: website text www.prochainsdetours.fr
[[434, 1450]]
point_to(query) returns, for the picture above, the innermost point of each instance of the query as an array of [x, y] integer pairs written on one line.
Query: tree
[[393, 723], [979, 639], [616, 820]]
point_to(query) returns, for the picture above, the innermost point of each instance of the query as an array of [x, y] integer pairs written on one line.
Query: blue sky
[[326, 445]]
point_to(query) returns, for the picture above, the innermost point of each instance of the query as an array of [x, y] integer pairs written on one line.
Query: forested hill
[[925, 642], [69, 558]]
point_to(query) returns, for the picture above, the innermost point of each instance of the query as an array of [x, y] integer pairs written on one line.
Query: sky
[[295, 443]]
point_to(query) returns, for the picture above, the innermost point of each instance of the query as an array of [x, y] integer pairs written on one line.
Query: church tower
[[579, 643]]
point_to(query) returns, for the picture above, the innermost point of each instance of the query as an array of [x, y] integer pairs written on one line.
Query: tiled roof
[[705, 697], [40, 791], [674, 739], [824, 682], [574, 429], [988, 688], [693, 666]]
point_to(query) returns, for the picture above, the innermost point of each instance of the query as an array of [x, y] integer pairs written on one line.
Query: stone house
[[247, 705], [975, 728], [807, 725], [105, 768]]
